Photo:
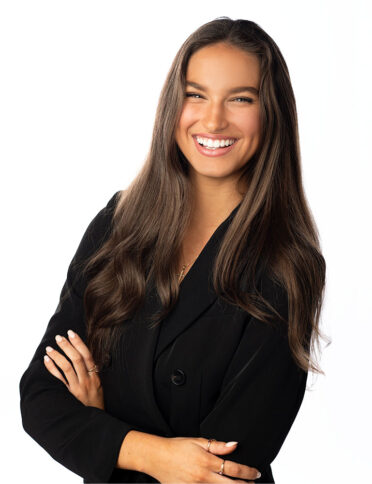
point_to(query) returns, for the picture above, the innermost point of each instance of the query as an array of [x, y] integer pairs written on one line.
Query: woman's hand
[[185, 459], [85, 386]]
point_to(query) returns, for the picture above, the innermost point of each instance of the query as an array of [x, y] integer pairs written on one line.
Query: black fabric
[[209, 370]]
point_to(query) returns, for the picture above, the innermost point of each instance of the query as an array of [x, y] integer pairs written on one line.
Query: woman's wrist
[[138, 451]]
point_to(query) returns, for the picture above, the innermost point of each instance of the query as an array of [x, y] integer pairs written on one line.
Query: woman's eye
[[190, 94], [245, 99]]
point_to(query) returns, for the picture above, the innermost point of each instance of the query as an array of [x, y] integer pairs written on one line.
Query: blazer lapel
[[196, 293]]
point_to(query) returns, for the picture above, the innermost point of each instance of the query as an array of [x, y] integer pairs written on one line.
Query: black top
[[209, 370]]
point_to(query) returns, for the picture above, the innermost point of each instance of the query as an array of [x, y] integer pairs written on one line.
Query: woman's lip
[[213, 153]]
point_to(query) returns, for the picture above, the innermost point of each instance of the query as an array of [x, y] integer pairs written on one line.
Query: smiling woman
[[194, 296]]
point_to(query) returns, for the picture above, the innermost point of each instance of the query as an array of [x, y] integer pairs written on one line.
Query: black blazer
[[209, 370]]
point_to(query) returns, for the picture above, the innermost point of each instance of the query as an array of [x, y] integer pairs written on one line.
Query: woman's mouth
[[211, 147]]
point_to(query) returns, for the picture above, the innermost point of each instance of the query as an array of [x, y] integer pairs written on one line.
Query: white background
[[79, 86]]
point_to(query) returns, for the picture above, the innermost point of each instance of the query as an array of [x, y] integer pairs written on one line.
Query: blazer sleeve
[[84, 439], [262, 390]]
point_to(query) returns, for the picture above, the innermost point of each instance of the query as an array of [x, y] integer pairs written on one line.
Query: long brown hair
[[273, 227]]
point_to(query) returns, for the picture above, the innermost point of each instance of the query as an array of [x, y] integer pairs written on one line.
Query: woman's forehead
[[223, 67]]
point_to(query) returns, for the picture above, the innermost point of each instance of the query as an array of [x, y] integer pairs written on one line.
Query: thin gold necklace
[[181, 274], [182, 271]]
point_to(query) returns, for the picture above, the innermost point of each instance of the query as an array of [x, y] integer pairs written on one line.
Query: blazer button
[[178, 377]]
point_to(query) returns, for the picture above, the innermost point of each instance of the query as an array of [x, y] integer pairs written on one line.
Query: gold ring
[[222, 466], [94, 368], [209, 443]]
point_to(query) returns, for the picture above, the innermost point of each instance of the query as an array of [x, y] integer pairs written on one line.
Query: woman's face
[[221, 103]]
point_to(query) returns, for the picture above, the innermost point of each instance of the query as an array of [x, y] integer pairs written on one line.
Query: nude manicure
[[230, 444]]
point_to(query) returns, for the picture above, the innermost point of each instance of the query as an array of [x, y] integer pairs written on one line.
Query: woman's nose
[[215, 118]]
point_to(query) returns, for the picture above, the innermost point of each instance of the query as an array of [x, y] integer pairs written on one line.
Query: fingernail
[[71, 333], [230, 444], [46, 358], [258, 475], [49, 348]]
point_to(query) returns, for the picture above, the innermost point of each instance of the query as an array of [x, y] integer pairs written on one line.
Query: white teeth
[[213, 144]]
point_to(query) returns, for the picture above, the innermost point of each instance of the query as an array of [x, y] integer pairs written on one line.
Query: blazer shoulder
[[95, 235], [98, 229]]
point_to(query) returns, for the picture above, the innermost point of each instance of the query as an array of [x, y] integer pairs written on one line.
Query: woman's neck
[[212, 204]]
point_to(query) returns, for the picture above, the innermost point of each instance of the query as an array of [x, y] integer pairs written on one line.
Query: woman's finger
[[77, 353], [64, 365], [51, 367], [83, 349]]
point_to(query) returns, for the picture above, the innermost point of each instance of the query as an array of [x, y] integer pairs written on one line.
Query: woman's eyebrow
[[234, 90]]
